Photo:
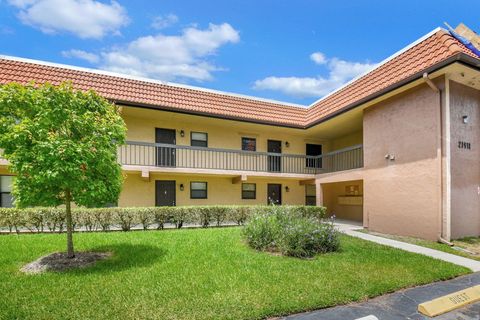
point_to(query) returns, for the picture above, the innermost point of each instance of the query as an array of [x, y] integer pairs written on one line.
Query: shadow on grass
[[124, 256]]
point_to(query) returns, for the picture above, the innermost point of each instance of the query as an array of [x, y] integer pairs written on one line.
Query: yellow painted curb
[[450, 302]]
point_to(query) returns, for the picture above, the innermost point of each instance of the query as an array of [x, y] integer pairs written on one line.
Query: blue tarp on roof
[[464, 41]]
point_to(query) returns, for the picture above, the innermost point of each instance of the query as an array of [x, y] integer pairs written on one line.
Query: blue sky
[[294, 51]]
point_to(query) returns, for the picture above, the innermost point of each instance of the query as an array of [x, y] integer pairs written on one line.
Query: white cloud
[[21, 3], [80, 54], [162, 22], [339, 72], [84, 18], [318, 58], [169, 57]]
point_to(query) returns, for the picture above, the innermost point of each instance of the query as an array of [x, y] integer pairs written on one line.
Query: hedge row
[[41, 219]]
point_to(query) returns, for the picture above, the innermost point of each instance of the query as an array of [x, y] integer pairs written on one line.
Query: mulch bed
[[59, 262]]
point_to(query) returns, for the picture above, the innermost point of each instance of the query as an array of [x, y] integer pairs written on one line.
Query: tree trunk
[[68, 199]]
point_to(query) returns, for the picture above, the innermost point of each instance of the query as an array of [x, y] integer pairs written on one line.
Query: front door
[[274, 162], [274, 194], [165, 156], [165, 193]]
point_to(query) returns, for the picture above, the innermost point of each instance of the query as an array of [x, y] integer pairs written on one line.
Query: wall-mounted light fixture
[[182, 133], [287, 144], [182, 187], [390, 157], [465, 119], [287, 189]]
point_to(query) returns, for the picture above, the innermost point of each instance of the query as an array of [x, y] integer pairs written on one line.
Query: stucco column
[[318, 194]]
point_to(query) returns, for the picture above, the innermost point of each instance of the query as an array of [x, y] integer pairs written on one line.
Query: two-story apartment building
[[396, 148]]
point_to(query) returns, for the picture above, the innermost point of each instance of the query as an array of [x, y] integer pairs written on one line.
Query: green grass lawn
[[199, 274]]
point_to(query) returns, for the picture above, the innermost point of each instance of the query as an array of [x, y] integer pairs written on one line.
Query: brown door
[[274, 162], [165, 156], [274, 194], [313, 150], [165, 193]]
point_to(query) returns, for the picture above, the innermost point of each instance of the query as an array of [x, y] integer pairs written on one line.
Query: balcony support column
[[318, 194]]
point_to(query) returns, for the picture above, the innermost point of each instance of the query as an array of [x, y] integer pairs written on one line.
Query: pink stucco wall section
[[465, 163], [403, 196]]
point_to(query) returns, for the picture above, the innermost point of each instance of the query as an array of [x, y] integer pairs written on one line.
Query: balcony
[[177, 156]]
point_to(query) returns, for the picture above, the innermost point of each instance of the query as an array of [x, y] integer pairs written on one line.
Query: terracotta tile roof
[[153, 93], [430, 51]]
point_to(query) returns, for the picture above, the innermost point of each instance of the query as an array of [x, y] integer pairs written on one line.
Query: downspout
[[434, 87]]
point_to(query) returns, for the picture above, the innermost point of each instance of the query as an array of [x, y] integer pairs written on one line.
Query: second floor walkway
[[142, 154]]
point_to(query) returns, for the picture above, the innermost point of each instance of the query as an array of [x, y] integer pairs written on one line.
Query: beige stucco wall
[[465, 164], [138, 192], [347, 141], [141, 124], [402, 196], [4, 170], [331, 192]]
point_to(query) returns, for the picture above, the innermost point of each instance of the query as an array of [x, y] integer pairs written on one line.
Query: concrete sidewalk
[[402, 304], [351, 230]]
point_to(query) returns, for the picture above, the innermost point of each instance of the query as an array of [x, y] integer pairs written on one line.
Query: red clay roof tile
[[427, 53]]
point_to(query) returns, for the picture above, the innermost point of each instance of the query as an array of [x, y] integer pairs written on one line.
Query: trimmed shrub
[[160, 216], [34, 219], [85, 218], [204, 215], [181, 215], [103, 217], [292, 231], [219, 214], [239, 214], [146, 217], [10, 217], [55, 219], [124, 217]]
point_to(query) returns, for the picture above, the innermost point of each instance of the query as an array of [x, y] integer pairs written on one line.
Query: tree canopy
[[61, 144]]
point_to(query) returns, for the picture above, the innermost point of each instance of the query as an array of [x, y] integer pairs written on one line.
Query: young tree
[[62, 145]]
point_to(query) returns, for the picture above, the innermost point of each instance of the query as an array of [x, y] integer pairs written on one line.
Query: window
[[249, 191], [249, 144], [199, 139], [6, 199], [198, 190], [310, 197]]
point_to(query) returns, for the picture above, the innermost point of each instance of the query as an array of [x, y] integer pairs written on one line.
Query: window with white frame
[[198, 190], [249, 191], [199, 139], [6, 199]]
